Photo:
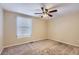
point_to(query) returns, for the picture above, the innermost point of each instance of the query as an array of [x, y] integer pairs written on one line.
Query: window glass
[[24, 27]]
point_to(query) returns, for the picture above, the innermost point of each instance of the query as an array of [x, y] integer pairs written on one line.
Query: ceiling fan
[[46, 12]]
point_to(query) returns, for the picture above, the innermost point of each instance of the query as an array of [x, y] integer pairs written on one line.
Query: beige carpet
[[43, 47]]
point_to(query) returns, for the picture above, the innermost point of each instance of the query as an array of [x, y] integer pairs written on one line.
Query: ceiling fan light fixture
[[46, 12], [45, 15]]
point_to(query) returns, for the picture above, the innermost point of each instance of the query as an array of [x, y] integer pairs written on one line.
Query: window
[[24, 27]]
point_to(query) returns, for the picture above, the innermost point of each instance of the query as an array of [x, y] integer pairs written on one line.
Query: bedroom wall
[[39, 31], [1, 29], [65, 29]]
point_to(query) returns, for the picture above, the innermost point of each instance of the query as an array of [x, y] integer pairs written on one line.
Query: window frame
[[24, 36]]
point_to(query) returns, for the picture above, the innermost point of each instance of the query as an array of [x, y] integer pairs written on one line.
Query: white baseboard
[[22, 43]]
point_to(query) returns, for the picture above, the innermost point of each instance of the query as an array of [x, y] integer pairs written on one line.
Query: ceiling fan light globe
[[45, 15]]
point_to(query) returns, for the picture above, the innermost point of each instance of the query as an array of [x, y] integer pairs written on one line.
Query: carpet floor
[[42, 47]]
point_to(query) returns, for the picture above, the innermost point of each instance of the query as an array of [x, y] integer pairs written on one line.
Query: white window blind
[[24, 27]]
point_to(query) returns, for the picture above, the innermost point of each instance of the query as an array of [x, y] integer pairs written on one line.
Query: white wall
[[65, 29], [39, 30], [1, 29]]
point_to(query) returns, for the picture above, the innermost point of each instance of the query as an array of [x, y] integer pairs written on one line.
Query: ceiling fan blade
[[43, 5], [50, 15], [41, 16], [46, 10], [52, 11], [42, 8], [38, 13]]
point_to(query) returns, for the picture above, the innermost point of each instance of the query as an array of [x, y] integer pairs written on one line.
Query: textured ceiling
[[31, 8]]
